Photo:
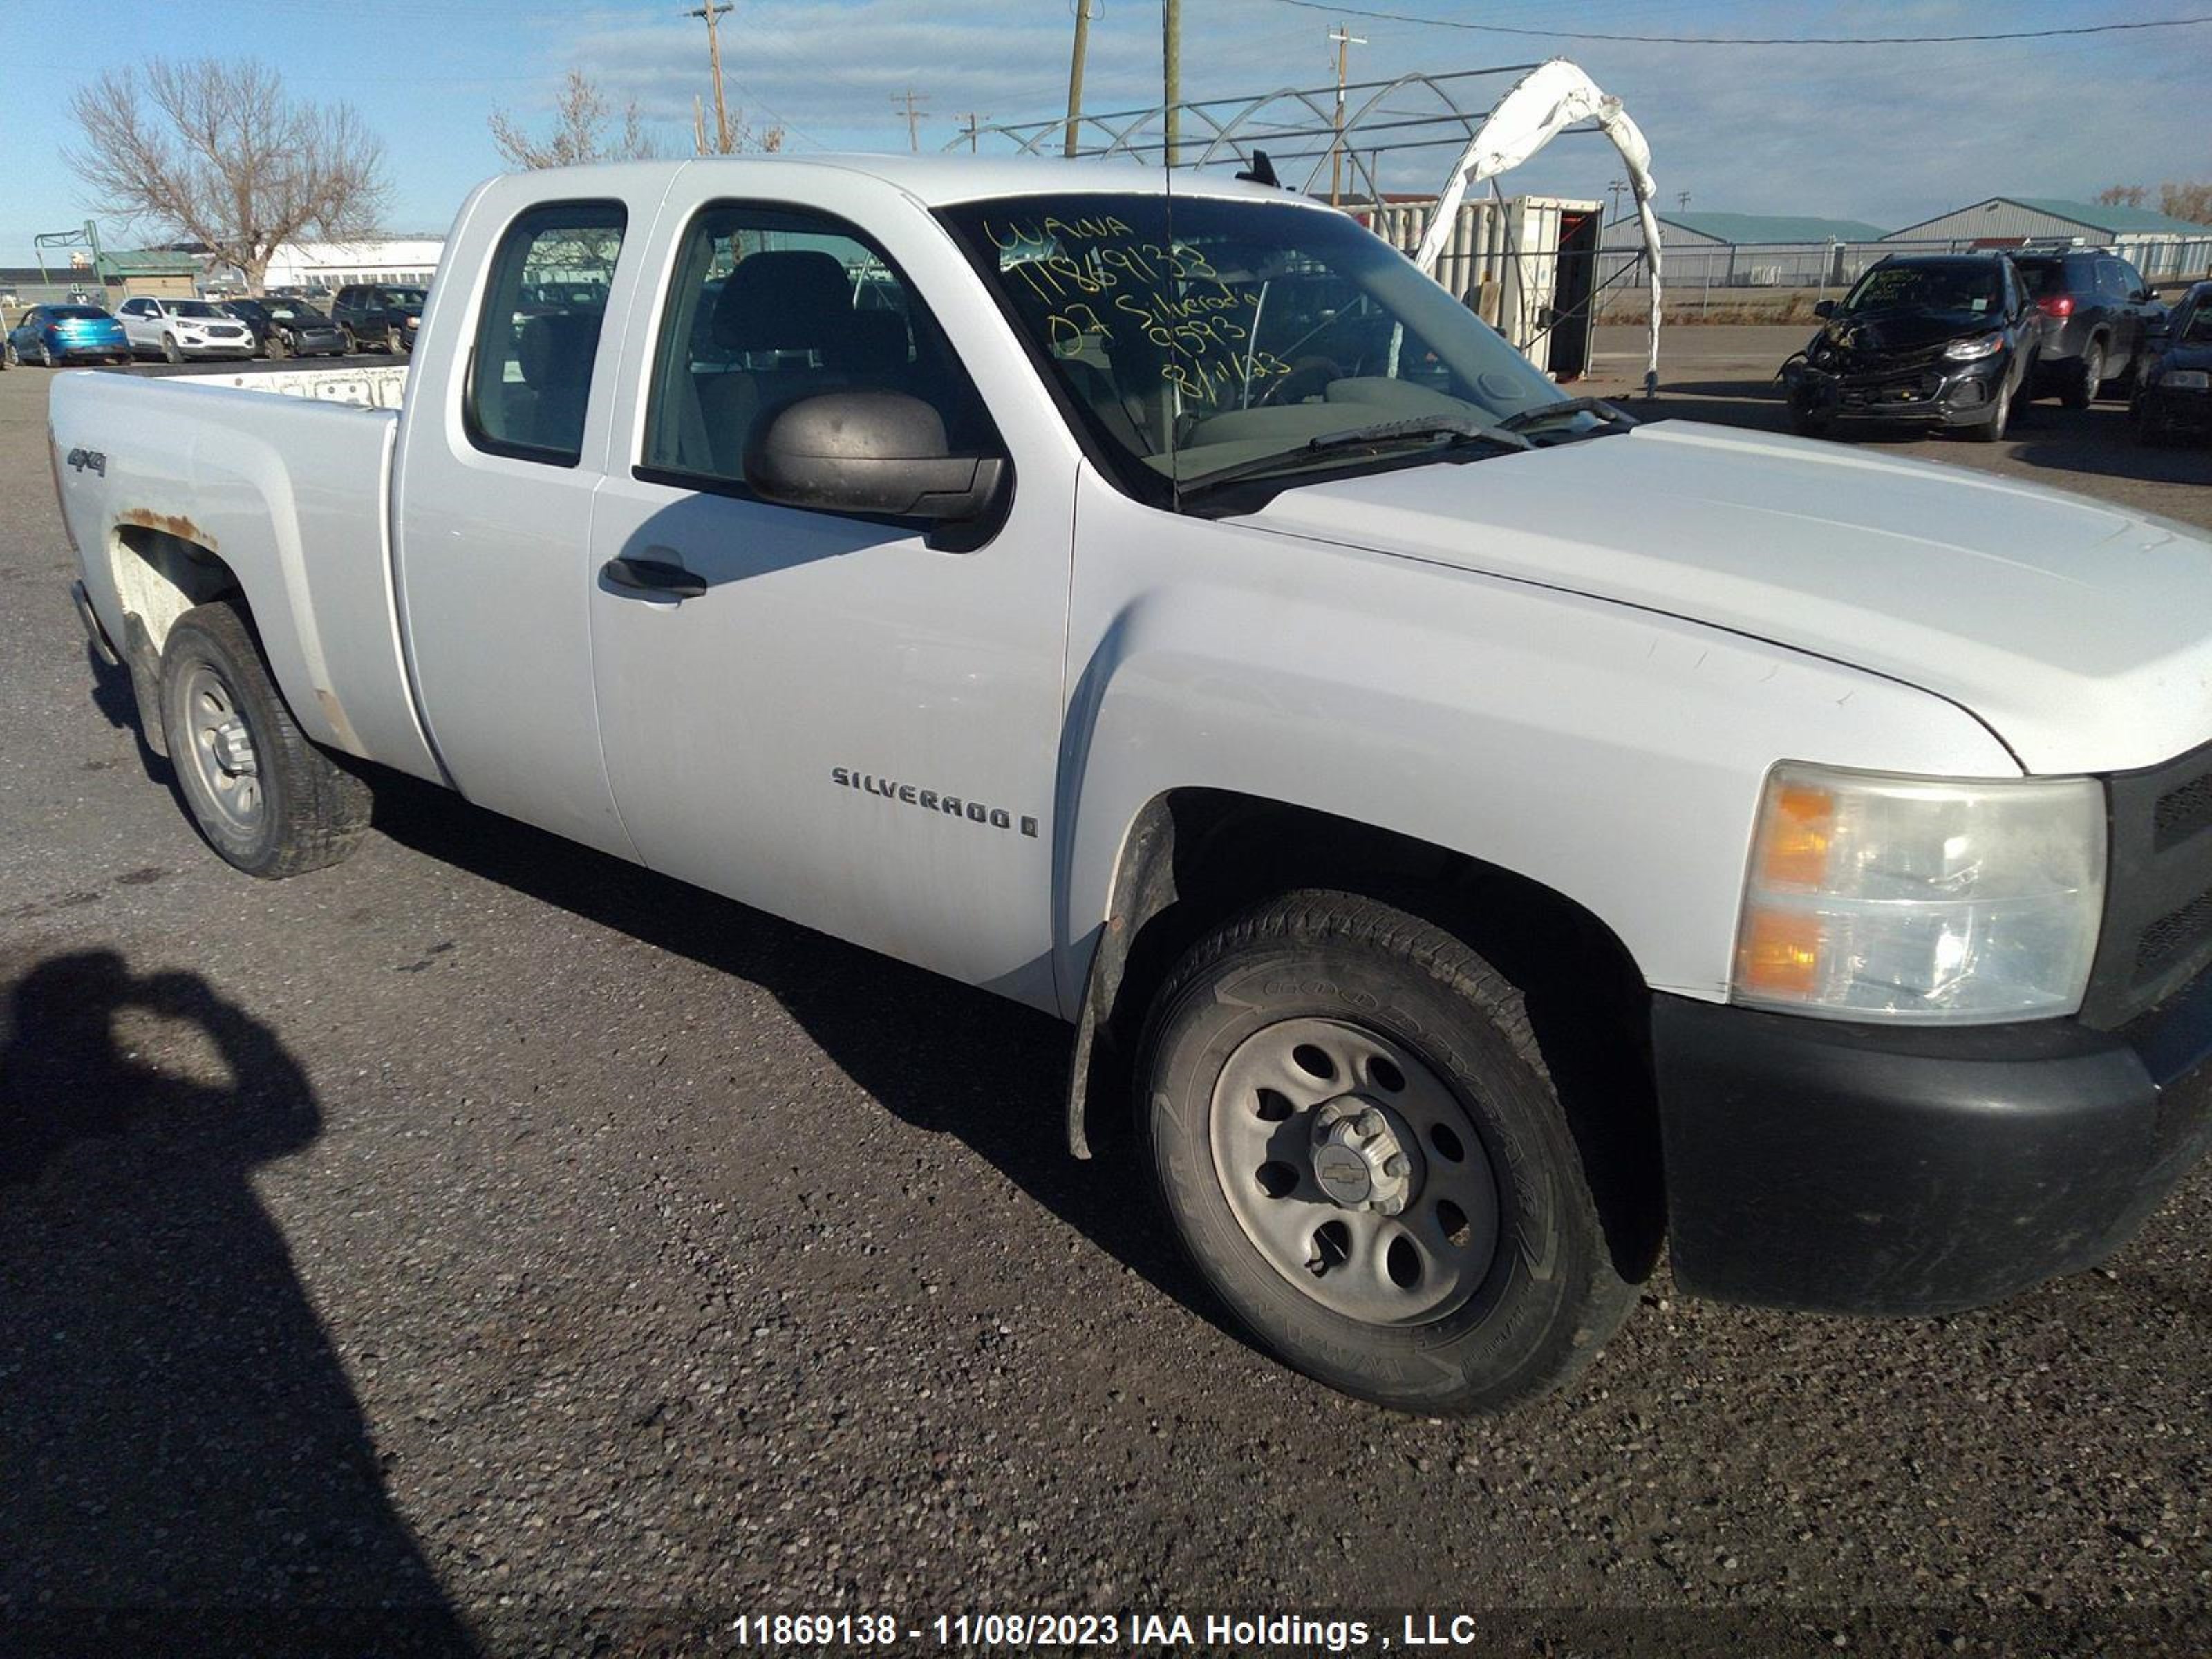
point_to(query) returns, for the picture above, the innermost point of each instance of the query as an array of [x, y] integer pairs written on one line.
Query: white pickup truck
[[1479, 840]]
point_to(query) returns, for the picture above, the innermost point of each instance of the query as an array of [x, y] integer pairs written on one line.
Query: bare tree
[[2121, 195], [581, 119], [2190, 202], [213, 151]]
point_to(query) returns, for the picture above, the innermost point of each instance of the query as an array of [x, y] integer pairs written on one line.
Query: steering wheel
[[1308, 376]]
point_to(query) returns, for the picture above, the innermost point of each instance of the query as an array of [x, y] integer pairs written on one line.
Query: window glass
[[769, 304], [530, 379], [2129, 279], [1211, 336]]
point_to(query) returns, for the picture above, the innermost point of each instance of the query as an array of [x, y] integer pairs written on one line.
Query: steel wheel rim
[[221, 748], [2093, 375], [1414, 1267]]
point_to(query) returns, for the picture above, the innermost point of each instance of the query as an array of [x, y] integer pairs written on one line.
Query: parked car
[[180, 329], [58, 335], [378, 316], [2096, 312], [1935, 340], [2173, 392], [1479, 840], [288, 328]]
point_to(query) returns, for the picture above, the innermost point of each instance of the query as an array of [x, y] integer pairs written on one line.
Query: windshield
[[293, 311], [404, 297], [1252, 331], [1966, 286]]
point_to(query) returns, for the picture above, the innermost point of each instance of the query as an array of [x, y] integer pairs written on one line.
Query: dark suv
[[378, 316], [1933, 340], [2097, 310]]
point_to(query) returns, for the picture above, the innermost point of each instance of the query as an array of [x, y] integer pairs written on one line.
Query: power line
[[1748, 39]]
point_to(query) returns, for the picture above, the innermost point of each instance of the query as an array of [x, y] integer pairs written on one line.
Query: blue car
[[59, 335]]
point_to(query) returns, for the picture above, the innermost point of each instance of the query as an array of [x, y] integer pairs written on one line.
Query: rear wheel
[[2088, 377], [46, 358], [1357, 1139], [265, 796]]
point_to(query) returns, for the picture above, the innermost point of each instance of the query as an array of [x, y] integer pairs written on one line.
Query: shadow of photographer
[[182, 1449]]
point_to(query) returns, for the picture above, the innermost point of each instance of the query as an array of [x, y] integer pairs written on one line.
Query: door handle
[[654, 576]]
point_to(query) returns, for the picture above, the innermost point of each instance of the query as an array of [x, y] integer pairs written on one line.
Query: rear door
[[851, 721], [498, 469]]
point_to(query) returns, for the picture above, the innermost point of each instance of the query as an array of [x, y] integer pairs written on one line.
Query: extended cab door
[[502, 441], [850, 721]]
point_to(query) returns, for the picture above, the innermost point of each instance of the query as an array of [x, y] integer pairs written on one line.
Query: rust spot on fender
[[169, 524]]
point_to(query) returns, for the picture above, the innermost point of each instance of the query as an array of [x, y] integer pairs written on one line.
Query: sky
[[1889, 134]]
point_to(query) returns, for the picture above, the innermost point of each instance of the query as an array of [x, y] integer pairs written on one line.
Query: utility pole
[[698, 125], [1171, 71], [1075, 75], [710, 11], [1344, 41], [969, 123], [910, 103], [1682, 201], [1616, 187]]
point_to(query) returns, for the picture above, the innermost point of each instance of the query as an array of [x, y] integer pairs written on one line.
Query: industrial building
[[412, 259], [2159, 244]]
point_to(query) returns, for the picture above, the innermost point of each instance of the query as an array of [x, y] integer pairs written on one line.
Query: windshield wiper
[[1382, 434], [1614, 415]]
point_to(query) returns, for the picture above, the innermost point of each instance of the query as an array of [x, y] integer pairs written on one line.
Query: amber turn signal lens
[[1780, 955], [1800, 827]]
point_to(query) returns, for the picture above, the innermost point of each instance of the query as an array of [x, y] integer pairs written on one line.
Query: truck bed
[[174, 489]]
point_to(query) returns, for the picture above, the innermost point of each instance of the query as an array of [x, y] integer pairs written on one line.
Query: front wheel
[[8, 355], [1992, 429], [1805, 421], [265, 796], [169, 352], [1358, 1143]]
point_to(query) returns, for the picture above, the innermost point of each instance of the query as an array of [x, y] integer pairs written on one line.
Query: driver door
[[849, 720]]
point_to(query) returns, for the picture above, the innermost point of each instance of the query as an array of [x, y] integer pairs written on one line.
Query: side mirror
[[1825, 308], [2143, 296], [868, 451]]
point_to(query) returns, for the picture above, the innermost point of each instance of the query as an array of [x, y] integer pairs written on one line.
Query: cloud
[[1890, 134]]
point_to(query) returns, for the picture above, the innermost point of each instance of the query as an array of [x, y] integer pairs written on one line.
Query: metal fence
[[1691, 272]]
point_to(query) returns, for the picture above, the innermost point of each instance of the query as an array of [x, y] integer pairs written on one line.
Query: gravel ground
[[487, 1229]]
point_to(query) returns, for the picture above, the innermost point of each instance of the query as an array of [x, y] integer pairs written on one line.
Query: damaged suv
[[1946, 340]]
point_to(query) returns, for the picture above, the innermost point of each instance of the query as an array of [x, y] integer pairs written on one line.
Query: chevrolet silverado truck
[[1480, 842]]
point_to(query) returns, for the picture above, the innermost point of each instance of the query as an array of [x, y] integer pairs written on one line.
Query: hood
[[2187, 356], [1876, 333], [2079, 633]]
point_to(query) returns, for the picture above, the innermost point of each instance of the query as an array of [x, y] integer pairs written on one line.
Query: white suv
[[178, 329]]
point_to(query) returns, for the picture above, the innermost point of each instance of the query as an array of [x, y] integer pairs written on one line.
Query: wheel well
[[159, 574], [1196, 857]]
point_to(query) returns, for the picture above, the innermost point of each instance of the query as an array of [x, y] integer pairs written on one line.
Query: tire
[[1496, 1310], [393, 344], [169, 352], [46, 358], [1994, 429], [2088, 376], [1804, 422], [351, 346], [8, 355], [273, 805]]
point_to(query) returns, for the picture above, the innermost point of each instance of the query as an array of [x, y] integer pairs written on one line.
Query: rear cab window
[[529, 381]]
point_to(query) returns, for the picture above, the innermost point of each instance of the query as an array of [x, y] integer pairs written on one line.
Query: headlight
[[2184, 380], [1921, 900], [1982, 345], [414, 322]]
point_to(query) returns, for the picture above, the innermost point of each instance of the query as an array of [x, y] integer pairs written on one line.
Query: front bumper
[[1847, 1168], [2168, 409], [1939, 394], [230, 348]]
